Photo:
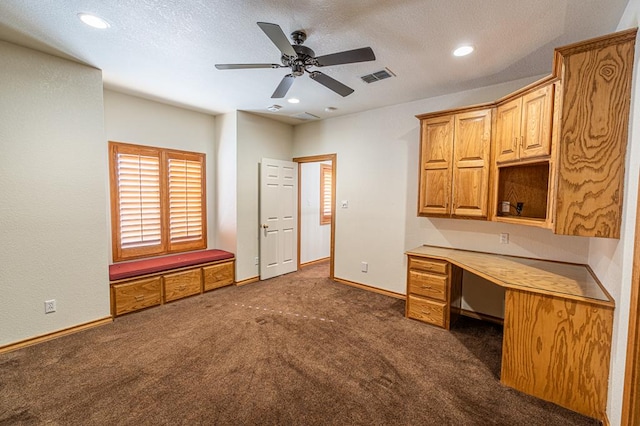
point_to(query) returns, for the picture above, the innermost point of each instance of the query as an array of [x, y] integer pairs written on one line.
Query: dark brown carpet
[[294, 350]]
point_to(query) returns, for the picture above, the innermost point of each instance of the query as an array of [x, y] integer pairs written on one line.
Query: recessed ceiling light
[[293, 100], [463, 51], [93, 21], [274, 108]]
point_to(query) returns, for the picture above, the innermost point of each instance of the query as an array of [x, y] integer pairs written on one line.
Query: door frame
[[631, 393], [334, 166]]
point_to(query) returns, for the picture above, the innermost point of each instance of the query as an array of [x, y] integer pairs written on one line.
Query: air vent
[[305, 116], [377, 76]]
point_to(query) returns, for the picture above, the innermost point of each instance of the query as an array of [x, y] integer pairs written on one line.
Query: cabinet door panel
[[508, 130], [435, 192], [470, 192], [472, 149], [537, 111], [436, 152]]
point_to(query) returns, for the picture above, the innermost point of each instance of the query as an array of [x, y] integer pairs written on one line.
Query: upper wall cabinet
[[523, 125], [455, 158], [558, 147], [595, 97]]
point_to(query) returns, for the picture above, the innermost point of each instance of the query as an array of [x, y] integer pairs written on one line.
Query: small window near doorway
[[326, 208]]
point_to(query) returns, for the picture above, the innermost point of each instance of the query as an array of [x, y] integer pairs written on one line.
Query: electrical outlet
[[257, 260], [345, 204], [504, 238], [364, 266], [49, 306]]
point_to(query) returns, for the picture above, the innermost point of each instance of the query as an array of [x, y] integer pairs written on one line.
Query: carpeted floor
[[294, 350]]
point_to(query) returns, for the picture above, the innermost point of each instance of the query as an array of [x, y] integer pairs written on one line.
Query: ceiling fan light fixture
[[93, 21], [463, 50], [293, 100]]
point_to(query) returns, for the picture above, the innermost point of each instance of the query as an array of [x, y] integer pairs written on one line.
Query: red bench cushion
[[158, 264]]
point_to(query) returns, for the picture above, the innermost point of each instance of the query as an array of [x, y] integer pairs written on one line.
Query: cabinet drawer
[[215, 276], [135, 295], [182, 284], [426, 310], [429, 265], [428, 285]]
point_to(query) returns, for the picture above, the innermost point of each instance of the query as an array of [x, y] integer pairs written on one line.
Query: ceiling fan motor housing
[[304, 59]]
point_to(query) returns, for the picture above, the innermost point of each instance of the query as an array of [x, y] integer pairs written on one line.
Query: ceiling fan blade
[[331, 83], [347, 57], [284, 86], [245, 66], [276, 35]]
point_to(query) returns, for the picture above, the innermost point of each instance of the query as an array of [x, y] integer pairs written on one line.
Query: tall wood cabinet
[[555, 156], [596, 92], [455, 159]]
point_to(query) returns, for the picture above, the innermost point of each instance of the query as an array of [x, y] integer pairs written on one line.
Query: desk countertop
[[568, 280]]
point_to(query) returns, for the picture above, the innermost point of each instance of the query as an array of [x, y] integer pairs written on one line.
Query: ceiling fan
[[300, 58]]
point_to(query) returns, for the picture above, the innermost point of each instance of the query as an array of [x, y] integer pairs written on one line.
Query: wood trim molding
[[631, 394], [54, 335], [314, 262], [248, 281], [372, 289]]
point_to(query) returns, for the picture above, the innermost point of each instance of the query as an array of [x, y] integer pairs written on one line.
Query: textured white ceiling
[[167, 49]]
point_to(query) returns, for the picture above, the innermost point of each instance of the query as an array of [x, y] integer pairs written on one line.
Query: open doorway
[[316, 230]]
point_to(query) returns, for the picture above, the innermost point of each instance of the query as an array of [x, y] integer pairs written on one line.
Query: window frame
[[165, 245], [326, 171]]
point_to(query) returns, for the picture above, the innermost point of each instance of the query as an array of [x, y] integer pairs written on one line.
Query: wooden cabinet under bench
[[140, 292]]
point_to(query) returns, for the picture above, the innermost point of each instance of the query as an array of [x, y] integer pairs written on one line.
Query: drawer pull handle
[[426, 287], [139, 298], [182, 287], [425, 312]]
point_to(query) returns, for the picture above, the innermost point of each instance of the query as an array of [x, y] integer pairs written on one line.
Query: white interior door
[[278, 217]]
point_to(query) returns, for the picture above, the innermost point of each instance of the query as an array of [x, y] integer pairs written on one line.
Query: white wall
[[143, 122], [315, 239], [612, 260], [53, 192], [257, 138]]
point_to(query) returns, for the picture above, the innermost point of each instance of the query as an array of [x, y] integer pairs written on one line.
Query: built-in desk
[[557, 325]]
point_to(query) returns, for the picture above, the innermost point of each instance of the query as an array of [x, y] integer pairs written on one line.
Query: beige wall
[[53, 192], [258, 138]]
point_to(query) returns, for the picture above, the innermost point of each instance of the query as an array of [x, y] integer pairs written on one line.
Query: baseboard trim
[[248, 281], [54, 335], [481, 316], [315, 262], [369, 288]]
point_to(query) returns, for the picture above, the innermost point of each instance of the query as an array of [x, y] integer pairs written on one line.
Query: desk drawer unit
[[433, 286], [182, 284]]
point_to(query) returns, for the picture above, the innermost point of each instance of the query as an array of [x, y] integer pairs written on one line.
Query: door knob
[[265, 226]]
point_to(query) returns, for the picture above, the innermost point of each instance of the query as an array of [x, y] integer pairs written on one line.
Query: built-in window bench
[[149, 282]]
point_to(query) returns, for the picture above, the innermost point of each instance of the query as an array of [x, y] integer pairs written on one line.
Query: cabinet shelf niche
[[527, 184]]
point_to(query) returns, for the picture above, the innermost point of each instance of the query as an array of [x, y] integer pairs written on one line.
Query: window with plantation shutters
[[158, 203], [326, 207]]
